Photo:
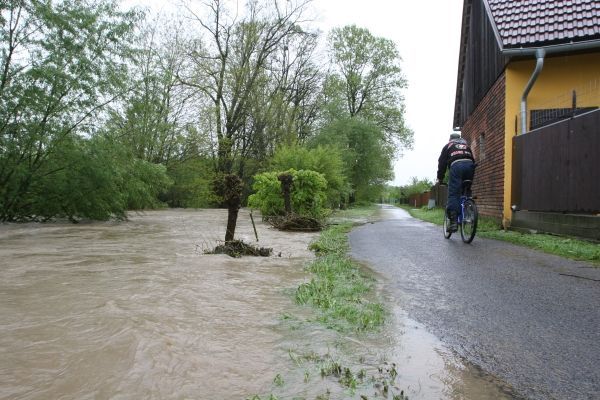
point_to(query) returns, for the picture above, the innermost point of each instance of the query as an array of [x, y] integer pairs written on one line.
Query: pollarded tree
[[367, 81], [327, 160]]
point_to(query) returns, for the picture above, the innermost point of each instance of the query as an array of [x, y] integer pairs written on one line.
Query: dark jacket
[[456, 149]]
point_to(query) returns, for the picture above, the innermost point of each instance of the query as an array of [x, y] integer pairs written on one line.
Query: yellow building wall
[[553, 89]]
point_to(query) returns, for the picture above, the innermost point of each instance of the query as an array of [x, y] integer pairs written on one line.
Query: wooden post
[[253, 225]]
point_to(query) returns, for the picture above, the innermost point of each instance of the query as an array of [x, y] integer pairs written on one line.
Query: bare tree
[[231, 64]]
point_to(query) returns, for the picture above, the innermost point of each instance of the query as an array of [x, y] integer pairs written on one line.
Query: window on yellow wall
[[543, 117]]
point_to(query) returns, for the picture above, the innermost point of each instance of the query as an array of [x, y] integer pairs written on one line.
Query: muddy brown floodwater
[[132, 310]]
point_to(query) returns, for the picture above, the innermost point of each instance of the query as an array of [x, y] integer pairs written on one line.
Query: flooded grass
[[338, 288], [572, 248], [343, 298], [354, 380]]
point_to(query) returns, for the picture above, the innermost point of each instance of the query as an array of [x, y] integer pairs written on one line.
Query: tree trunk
[[230, 188], [232, 214], [286, 180]]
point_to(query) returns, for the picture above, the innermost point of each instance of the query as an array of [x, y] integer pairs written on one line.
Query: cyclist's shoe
[[453, 226]]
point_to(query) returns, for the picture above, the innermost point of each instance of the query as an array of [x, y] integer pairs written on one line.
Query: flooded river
[[132, 310]]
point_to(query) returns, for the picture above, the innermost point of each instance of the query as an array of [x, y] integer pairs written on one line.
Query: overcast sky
[[427, 33]]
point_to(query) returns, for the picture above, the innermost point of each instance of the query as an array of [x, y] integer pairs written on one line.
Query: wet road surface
[[531, 319]]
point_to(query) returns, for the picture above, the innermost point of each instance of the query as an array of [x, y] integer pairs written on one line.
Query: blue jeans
[[459, 172]]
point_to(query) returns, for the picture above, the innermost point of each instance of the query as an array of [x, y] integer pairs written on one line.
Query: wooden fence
[[557, 168], [437, 193]]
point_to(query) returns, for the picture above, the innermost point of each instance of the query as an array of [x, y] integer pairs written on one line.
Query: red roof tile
[[530, 23]]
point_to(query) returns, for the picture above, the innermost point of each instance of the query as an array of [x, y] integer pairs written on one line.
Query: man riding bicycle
[[458, 157]]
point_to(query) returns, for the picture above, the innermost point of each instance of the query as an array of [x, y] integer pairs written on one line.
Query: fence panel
[[440, 194], [557, 168]]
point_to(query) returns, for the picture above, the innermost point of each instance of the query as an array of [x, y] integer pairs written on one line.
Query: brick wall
[[484, 130]]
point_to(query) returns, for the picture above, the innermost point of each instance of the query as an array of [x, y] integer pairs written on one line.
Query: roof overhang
[[552, 49], [509, 52]]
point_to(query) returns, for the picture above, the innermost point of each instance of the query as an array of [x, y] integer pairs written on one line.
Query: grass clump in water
[[237, 249], [338, 288]]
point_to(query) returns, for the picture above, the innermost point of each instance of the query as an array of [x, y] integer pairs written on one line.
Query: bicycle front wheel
[[468, 226]]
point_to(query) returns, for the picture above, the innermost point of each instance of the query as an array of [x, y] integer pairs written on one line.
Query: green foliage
[[417, 186], [153, 122], [368, 81], [327, 160], [224, 102], [366, 154], [144, 183], [79, 179], [267, 197], [93, 179], [62, 62], [308, 193], [192, 186]]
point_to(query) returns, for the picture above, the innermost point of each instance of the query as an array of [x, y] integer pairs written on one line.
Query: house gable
[[480, 60], [495, 31]]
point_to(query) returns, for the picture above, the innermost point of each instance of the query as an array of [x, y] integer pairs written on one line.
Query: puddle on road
[[123, 310], [429, 370]]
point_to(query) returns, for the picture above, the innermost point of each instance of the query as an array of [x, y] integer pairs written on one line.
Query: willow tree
[[61, 63]]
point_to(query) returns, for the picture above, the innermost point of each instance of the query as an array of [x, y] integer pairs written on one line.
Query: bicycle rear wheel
[[445, 226], [468, 226]]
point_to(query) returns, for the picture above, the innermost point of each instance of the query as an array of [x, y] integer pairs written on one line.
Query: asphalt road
[[531, 319]]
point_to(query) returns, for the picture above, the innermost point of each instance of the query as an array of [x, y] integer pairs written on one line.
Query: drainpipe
[[539, 55]]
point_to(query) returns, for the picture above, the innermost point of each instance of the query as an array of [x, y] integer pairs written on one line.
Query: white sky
[[427, 33]]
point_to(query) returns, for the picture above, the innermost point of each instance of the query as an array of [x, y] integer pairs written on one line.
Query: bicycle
[[467, 217]]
